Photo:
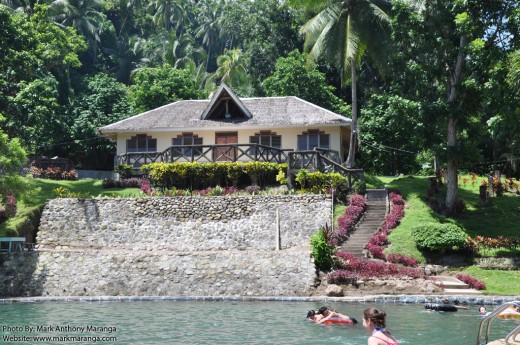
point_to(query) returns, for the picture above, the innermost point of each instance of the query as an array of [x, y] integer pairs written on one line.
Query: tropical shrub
[[125, 171], [356, 268], [472, 282], [481, 244], [321, 249], [54, 173], [435, 236], [202, 175], [123, 183], [397, 258]]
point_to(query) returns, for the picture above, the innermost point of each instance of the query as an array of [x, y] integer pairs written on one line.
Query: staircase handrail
[[489, 318]]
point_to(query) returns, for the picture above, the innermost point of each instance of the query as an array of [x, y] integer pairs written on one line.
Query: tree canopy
[[442, 83]]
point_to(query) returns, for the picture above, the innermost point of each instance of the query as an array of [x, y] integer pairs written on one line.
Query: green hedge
[[319, 182], [434, 236], [203, 175]]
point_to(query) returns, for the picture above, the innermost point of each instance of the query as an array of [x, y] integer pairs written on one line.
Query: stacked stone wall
[[184, 246], [183, 223], [223, 273]]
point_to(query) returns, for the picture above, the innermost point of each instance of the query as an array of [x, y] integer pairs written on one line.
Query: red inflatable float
[[338, 322]]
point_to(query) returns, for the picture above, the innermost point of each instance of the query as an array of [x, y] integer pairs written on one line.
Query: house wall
[[289, 137]]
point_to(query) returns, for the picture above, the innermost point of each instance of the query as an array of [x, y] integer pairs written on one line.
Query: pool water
[[230, 322]]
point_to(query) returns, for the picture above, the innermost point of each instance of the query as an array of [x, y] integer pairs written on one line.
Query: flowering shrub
[[123, 183], [396, 198], [202, 191], [376, 251], [401, 259], [54, 173], [358, 201], [231, 190], [480, 244], [146, 188], [355, 268], [346, 222], [378, 239], [472, 282]]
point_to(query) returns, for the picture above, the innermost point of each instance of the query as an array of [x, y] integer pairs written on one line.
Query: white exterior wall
[[289, 137]]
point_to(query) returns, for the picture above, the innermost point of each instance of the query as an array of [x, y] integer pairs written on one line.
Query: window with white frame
[[187, 139], [313, 138], [266, 138], [141, 143]]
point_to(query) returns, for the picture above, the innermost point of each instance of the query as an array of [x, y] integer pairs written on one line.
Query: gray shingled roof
[[267, 112]]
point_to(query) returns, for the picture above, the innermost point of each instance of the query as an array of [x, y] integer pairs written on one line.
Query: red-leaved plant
[[356, 268], [350, 217], [397, 258], [376, 243], [472, 282]]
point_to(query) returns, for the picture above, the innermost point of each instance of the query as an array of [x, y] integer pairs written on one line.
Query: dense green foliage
[[12, 156], [321, 250], [435, 236], [68, 67]]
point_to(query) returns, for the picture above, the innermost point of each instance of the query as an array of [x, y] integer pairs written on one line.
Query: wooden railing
[[320, 160], [206, 154]]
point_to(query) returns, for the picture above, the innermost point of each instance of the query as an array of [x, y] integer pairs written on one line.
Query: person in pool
[[374, 321], [314, 316], [334, 315]]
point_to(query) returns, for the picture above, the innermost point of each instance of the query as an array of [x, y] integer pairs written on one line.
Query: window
[[266, 138], [141, 143], [313, 138], [187, 139]]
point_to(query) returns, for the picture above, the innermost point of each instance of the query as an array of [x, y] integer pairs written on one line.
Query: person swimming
[[329, 314], [374, 321]]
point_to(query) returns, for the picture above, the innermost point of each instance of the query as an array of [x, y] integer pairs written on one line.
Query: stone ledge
[[406, 299]]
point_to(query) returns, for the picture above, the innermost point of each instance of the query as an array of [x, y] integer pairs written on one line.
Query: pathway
[[372, 219], [453, 286]]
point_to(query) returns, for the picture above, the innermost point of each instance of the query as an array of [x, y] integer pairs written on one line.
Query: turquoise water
[[229, 322]]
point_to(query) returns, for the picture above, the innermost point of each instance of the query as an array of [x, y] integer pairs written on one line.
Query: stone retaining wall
[[105, 273], [181, 246], [183, 223]]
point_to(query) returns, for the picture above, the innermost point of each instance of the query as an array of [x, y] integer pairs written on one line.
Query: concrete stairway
[[453, 286], [372, 219]]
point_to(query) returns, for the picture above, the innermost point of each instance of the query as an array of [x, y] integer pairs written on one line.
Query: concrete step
[[461, 292]]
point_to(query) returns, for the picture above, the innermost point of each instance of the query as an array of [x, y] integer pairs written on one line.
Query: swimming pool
[[231, 322]]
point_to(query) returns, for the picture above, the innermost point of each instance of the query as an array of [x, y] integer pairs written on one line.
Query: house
[[229, 128]]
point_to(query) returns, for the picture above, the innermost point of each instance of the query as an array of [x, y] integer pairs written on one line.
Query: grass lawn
[[502, 218], [497, 282], [42, 190]]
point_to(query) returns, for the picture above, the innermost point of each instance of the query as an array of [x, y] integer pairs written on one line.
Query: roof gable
[[225, 106]]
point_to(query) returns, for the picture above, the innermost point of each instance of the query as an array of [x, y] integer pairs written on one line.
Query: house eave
[[222, 128]]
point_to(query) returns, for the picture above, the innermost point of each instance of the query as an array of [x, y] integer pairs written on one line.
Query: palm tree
[[232, 70], [185, 50], [210, 17], [341, 33], [168, 12], [83, 15]]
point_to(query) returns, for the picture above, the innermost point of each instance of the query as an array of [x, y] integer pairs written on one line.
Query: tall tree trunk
[[351, 160], [452, 161], [452, 165]]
